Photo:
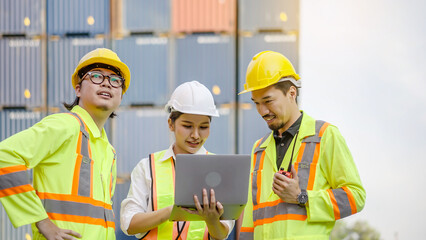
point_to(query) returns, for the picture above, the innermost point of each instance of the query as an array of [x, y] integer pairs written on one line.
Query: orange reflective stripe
[[12, 169], [78, 161], [334, 203], [184, 233], [206, 234], [154, 184], [259, 177], [73, 198], [81, 219], [322, 130], [267, 204], [16, 190], [299, 156], [151, 235], [351, 199], [247, 229], [280, 218], [313, 168], [255, 154]]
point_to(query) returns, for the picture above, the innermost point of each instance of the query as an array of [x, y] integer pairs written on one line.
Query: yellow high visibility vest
[[74, 174], [163, 189], [325, 169]]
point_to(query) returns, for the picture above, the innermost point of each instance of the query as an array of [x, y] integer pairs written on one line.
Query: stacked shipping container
[[164, 43]]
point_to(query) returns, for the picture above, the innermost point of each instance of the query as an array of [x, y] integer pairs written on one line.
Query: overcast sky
[[363, 66]]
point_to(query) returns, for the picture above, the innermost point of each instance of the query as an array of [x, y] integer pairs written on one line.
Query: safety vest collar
[[88, 120], [169, 153], [307, 127]]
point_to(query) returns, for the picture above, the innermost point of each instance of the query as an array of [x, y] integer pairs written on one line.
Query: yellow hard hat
[[267, 68], [104, 58]]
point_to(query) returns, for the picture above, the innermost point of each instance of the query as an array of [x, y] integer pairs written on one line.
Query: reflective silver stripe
[[342, 202], [258, 151], [77, 209], [279, 209], [246, 235], [14, 179], [85, 179], [304, 166], [303, 172]]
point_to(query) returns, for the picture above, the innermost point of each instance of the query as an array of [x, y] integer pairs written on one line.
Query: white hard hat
[[192, 98]]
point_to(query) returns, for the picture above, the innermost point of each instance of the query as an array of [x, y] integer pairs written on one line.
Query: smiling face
[[279, 110], [191, 132], [98, 99]]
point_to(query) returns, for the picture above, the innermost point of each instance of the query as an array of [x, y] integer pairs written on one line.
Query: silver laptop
[[228, 175]]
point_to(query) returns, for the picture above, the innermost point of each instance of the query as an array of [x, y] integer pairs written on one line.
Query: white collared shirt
[[139, 198]]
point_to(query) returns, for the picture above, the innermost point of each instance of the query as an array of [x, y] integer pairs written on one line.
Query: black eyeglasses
[[98, 78]]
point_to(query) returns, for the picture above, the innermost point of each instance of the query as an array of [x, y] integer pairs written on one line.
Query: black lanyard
[[292, 152]]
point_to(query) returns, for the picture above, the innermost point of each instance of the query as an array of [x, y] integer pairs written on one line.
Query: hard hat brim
[[119, 65]]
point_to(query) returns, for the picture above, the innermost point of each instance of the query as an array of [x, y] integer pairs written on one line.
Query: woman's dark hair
[[176, 114]]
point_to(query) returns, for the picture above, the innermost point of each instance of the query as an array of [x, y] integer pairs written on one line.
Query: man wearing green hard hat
[[74, 165]]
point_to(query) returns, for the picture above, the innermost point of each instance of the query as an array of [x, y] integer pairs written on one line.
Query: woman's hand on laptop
[[210, 211]]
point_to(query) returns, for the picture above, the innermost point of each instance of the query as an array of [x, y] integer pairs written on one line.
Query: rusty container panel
[[203, 16]]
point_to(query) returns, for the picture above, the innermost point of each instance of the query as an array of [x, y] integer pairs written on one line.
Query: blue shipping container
[[62, 57], [146, 15], [21, 72], [209, 59], [77, 17], [286, 44], [8, 232], [14, 121], [148, 60], [21, 17], [222, 132], [136, 133], [269, 15], [251, 127]]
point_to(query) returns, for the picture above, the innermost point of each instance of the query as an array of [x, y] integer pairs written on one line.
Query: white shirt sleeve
[[139, 197]]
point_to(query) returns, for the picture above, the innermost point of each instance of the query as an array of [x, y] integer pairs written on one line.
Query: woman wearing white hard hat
[[147, 208]]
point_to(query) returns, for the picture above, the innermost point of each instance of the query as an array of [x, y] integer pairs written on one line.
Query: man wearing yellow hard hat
[[303, 175], [74, 165]]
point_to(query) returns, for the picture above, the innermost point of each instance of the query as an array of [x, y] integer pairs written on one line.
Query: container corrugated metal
[[63, 56], [147, 58], [77, 17], [249, 46], [146, 15], [14, 121], [21, 17], [255, 15], [21, 72], [8, 232], [222, 132], [120, 193], [209, 59], [251, 127], [203, 16], [137, 133]]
